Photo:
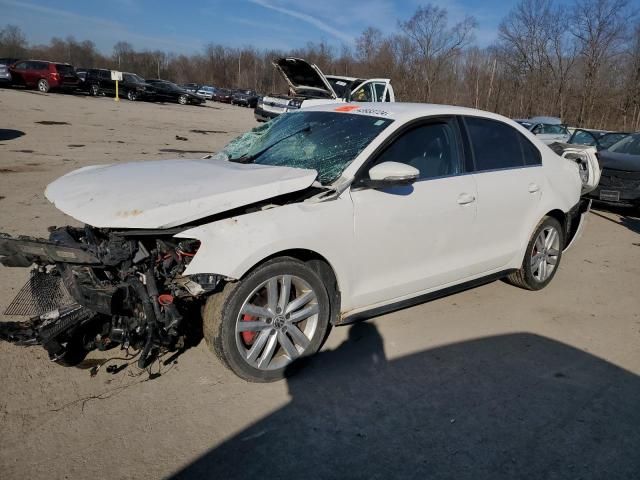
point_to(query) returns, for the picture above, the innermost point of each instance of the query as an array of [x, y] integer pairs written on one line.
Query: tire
[[263, 352], [132, 96], [534, 275], [94, 90], [183, 100], [43, 85]]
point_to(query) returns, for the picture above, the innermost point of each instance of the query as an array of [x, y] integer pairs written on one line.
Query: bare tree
[[601, 28], [435, 43], [13, 42]]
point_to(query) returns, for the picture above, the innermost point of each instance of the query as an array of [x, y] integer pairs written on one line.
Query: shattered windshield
[[324, 141]]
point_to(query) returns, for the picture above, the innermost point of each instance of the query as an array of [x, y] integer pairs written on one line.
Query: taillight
[[54, 76]]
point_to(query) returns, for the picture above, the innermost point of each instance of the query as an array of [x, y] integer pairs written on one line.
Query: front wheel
[[94, 90], [132, 96], [182, 99], [542, 257], [274, 317], [43, 85]]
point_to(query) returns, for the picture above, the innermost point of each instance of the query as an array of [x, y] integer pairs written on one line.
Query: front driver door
[[415, 238]]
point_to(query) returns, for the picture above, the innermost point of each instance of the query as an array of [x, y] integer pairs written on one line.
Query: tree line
[[578, 61]]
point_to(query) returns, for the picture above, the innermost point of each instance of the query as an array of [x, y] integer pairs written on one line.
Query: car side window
[[363, 94], [530, 153], [21, 65], [430, 148], [495, 145]]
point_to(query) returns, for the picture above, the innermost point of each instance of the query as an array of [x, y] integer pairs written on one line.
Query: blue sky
[[185, 26]]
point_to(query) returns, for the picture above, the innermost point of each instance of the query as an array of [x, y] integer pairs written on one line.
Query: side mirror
[[389, 174]]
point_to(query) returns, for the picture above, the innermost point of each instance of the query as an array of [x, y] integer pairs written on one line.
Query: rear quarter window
[[64, 69]]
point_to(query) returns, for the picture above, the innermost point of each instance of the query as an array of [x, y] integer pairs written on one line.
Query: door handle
[[533, 188], [465, 198]]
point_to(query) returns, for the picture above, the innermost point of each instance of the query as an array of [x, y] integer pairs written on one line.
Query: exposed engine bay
[[98, 288]]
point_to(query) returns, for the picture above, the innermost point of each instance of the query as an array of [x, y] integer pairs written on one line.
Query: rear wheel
[[132, 95], [94, 90], [43, 85], [261, 325], [182, 99], [542, 258]]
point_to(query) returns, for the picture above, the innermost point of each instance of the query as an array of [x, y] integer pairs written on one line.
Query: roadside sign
[[117, 76]]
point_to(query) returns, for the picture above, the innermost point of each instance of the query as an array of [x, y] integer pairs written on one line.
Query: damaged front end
[[96, 288]]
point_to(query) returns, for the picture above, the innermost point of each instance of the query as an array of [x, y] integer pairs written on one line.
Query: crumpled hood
[[168, 193]]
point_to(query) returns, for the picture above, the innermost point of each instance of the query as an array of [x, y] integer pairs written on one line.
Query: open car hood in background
[[168, 193], [303, 76]]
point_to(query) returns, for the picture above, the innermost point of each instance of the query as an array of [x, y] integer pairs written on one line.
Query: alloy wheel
[[545, 253], [277, 322]]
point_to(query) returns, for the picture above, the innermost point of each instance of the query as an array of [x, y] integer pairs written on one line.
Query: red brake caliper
[[248, 337]]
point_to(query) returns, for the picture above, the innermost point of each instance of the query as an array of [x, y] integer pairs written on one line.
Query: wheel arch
[[320, 264]]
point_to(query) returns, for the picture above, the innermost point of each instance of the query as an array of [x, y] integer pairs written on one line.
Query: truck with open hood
[[308, 87]]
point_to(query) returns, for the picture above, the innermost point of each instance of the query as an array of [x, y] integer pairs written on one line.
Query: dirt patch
[[7, 170], [24, 151], [75, 145], [52, 122]]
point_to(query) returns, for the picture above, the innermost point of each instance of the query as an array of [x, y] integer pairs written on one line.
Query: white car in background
[[309, 87], [206, 92], [547, 129], [317, 218]]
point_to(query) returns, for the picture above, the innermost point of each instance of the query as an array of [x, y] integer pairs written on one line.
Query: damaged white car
[[317, 218]]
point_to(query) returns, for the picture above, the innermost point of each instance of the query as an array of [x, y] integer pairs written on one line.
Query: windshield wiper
[[251, 158]]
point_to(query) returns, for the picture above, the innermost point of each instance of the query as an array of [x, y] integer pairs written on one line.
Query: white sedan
[[317, 218]]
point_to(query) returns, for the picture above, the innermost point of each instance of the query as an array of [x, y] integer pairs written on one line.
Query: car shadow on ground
[[9, 134], [510, 406], [628, 217]]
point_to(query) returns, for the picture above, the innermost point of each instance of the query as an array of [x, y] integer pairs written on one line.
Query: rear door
[[508, 173], [36, 71]]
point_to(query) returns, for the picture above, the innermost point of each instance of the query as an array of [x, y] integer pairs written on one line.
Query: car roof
[[546, 120], [405, 111]]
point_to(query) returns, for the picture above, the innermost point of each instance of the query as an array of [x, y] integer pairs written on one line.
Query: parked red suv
[[43, 75]]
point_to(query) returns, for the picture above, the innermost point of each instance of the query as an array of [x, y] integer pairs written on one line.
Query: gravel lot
[[495, 382]]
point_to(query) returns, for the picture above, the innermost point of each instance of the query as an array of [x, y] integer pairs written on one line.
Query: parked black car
[[97, 81], [190, 87], [596, 138], [245, 98], [620, 179], [165, 91]]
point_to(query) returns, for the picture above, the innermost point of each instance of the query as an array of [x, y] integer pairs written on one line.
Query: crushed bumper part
[[96, 288]]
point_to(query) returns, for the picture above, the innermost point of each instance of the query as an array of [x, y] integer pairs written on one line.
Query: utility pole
[[239, 57]]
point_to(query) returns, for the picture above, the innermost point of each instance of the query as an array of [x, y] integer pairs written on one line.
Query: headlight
[[295, 103]]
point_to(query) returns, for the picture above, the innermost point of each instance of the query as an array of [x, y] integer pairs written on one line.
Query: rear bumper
[[628, 198], [576, 220]]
